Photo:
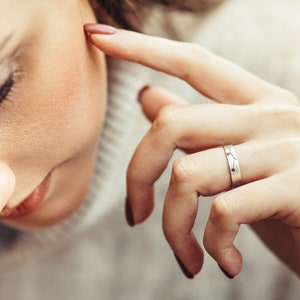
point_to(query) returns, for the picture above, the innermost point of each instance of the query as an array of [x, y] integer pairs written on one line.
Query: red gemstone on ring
[[233, 169]]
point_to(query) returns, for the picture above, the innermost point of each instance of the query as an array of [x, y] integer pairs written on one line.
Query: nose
[[7, 184]]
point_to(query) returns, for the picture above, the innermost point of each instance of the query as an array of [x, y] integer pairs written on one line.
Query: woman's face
[[53, 97]]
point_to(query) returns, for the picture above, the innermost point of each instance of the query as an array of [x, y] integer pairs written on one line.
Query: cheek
[[62, 110], [74, 114]]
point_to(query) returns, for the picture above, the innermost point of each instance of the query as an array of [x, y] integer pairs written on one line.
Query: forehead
[[13, 11], [25, 21]]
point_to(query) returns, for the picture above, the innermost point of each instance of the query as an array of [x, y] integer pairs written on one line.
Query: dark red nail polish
[[100, 29], [226, 273], [141, 92], [129, 214], [183, 268]]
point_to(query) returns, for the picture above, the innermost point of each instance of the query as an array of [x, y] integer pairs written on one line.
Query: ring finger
[[204, 173], [190, 128]]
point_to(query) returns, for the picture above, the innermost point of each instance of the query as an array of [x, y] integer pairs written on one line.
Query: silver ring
[[234, 166]]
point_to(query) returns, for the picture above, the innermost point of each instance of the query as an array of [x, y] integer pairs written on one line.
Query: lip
[[30, 204]]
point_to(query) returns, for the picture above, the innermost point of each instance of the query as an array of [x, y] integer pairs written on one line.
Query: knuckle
[[205, 188], [191, 54], [183, 169], [166, 117], [285, 115], [220, 210]]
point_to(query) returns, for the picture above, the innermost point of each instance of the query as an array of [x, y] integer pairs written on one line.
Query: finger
[[250, 203], [153, 99], [205, 173], [177, 127], [195, 128], [191, 176], [211, 75]]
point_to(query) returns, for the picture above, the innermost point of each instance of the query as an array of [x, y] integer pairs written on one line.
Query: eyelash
[[6, 88]]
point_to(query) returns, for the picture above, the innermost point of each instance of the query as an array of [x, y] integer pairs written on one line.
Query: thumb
[[153, 99]]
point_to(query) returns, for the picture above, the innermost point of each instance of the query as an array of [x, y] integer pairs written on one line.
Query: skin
[[268, 151], [52, 118]]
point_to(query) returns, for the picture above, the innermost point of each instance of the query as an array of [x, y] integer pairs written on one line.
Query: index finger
[[211, 75]]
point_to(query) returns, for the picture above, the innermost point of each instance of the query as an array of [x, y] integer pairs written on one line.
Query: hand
[[260, 119]]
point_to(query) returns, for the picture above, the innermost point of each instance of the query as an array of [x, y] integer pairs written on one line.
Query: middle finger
[[191, 128]]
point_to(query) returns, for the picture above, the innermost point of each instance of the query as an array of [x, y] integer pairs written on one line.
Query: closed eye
[[6, 88]]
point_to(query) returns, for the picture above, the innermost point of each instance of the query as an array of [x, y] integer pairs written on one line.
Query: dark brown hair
[[130, 13]]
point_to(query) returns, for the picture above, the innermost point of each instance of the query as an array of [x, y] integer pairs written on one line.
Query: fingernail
[[129, 214], [226, 273], [100, 29], [141, 92], [183, 268]]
